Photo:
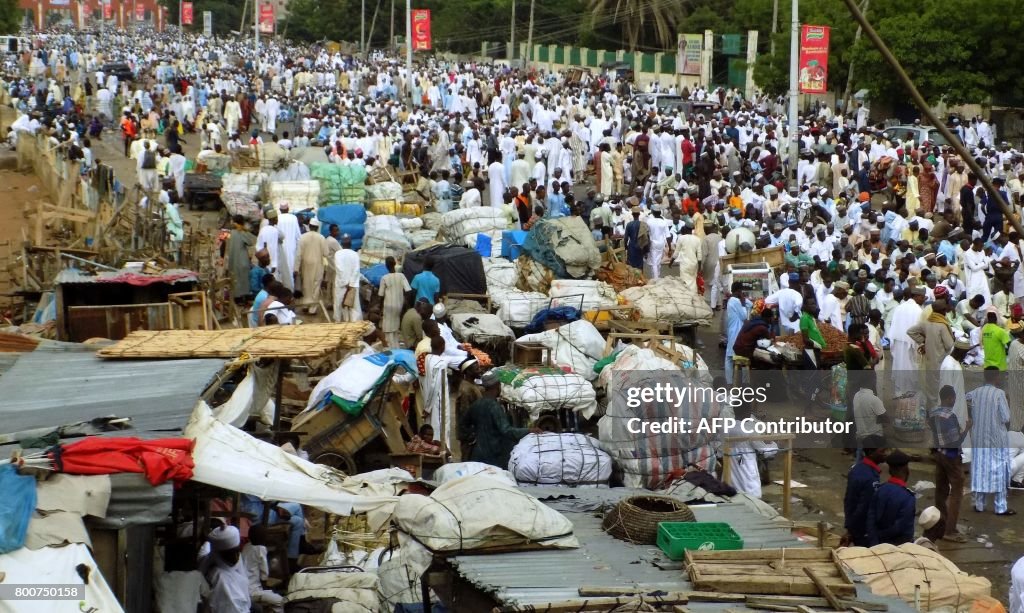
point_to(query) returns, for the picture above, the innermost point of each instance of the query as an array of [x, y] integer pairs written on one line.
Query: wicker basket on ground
[[635, 519]]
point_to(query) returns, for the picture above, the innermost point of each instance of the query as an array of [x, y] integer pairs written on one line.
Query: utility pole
[[775, 23], [794, 92], [362, 27], [529, 38], [181, 26], [391, 34], [369, 35], [255, 27], [512, 37], [849, 73], [408, 51], [241, 26]]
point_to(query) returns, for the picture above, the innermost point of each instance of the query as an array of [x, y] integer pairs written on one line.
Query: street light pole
[[512, 36], [362, 28], [408, 50], [794, 92]]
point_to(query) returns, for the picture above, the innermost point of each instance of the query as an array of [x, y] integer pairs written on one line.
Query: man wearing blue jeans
[[281, 512]]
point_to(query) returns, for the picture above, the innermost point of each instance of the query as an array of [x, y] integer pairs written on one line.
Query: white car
[[917, 133]]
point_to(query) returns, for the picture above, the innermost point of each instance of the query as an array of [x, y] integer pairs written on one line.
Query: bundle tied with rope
[[635, 519]]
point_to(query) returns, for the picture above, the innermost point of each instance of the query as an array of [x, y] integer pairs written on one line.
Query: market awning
[[299, 342]]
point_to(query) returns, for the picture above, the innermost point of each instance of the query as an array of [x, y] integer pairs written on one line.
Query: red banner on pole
[[186, 13], [108, 10], [813, 59], [140, 12], [421, 30], [266, 18]]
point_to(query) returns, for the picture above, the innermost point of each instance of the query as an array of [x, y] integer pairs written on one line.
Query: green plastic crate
[[676, 537]]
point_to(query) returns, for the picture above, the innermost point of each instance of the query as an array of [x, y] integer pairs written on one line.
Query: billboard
[[108, 10], [207, 24], [813, 59], [140, 12], [688, 51], [420, 30], [266, 18], [186, 13]]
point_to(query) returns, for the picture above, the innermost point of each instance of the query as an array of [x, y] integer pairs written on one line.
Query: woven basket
[[636, 518]]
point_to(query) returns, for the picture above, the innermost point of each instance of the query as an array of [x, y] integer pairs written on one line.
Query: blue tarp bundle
[[350, 218], [16, 507]]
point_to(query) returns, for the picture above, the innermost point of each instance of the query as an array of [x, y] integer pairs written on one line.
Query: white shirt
[[180, 591], [269, 238], [1017, 587], [229, 587], [866, 409]]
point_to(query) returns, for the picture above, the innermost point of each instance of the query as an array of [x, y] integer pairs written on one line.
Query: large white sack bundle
[[574, 460], [457, 470], [500, 273], [432, 220], [388, 190], [532, 276], [410, 224], [552, 392], [359, 591], [459, 224], [247, 183], [294, 171], [669, 299], [479, 327], [592, 295], [299, 195], [577, 345], [480, 512], [382, 223], [516, 307], [419, 238]]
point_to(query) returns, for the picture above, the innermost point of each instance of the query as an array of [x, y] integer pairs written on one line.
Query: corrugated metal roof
[[73, 275], [536, 577], [50, 387]]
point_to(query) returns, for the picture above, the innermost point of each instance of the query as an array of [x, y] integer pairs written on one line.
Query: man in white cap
[[346, 283], [452, 348], [312, 251], [660, 241], [288, 226], [226, 573]]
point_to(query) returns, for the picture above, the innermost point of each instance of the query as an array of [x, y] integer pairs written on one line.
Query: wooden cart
[[333, 437]]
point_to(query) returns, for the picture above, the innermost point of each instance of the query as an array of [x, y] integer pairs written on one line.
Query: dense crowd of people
[[887, 236]]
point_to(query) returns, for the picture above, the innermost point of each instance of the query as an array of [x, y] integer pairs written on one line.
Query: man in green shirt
[[994, 339], [487, 427]]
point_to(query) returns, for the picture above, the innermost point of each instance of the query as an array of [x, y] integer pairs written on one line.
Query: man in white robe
[[905, 361], [346, 283], [288, 225], [272, 110], [269, 238], [976, 264], [312, 250], [232, 115], [951, 373], [689, 255], [497, 186]]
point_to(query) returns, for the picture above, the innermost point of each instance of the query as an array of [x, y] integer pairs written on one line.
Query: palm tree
[[637, 16]]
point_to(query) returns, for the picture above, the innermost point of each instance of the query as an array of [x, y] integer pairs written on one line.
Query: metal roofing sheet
[[49, 388], [535, 577], [74, 275]]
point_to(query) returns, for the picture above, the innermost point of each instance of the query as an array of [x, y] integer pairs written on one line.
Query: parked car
[[122, 71], [671, 102], [918, 133]]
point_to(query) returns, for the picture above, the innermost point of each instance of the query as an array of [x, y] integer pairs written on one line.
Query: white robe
[[496, 176], [437, 406], [288, 226], [952, 374], [905, 361], [975, 265], [744, 474], [269, 238], [346, 266]]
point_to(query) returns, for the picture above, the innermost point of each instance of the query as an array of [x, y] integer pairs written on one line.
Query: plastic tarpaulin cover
[[578, 345], [479, 327], [16, 507], [480, 512], [648, 459], [457, 470], [668, 299], [229, 458], [565, 245], [56, 566], [539, 389], [358, 591], [352, 383], [459, 269], [575, 460]]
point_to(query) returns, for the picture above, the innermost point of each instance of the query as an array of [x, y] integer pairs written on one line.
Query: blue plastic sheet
[[16, 507], [563, 313]]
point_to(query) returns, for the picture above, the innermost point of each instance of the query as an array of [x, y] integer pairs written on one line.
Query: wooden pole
[[833, 601], [787, 478], [849, 73]]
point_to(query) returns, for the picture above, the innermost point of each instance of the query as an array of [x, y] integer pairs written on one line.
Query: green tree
[[639, 20], [10, 16]]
